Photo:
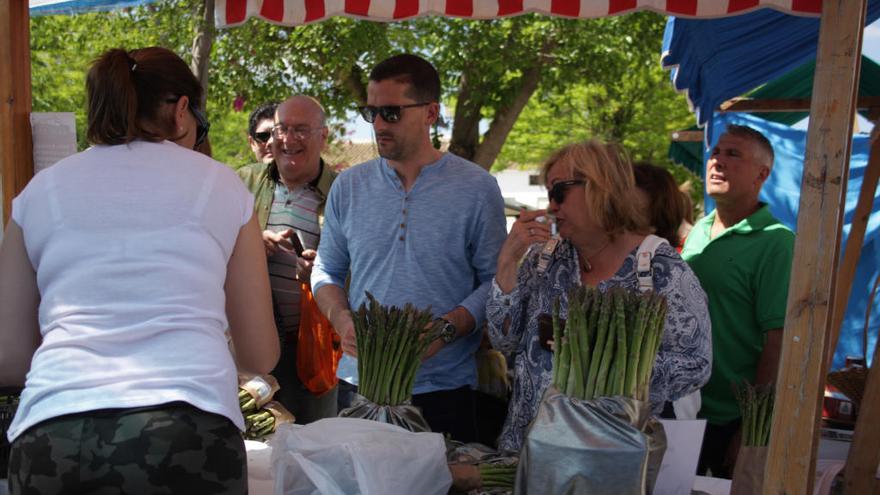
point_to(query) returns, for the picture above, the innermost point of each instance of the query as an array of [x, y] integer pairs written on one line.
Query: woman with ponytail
[[122, 268]]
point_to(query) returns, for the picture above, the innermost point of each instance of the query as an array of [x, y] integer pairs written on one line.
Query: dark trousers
[[716, 444], [345, 395], [450, 411], [491, 413], [295, 397]]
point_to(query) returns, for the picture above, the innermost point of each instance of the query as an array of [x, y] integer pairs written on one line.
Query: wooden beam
[[791, 459], [864, 454], [16, 149], [786, 104], [847, 270], [687, 136]]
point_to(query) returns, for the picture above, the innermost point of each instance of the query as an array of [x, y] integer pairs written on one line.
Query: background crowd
[[143, 256]]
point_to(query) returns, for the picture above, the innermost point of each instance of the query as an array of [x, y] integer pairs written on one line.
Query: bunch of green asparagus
[[261, 414], [497, 475], [608, 345], [756, 406], [391, 342], [259, 424], [261, 421]]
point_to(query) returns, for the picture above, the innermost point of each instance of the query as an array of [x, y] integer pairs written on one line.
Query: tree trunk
[[353, 82], [201, 48], [506, 117], [466, 123]]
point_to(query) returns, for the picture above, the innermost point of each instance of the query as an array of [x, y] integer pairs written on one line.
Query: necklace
[[586, 266]]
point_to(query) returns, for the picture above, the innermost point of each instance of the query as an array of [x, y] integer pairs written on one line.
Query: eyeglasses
[[202, 124], [389, 113], [262, 137], [557, 192], [298, 132]]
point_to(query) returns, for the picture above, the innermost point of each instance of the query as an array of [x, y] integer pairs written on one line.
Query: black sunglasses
[[557, 192], [390, 113], [202, 124], [262, 137]]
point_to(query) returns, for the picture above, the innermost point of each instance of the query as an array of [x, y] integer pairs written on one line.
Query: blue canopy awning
[[713, 60]]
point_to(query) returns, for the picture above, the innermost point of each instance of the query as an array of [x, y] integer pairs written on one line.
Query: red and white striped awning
[[295, 12]]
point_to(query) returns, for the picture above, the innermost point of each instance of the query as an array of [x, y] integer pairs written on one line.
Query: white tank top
[[130, 245]]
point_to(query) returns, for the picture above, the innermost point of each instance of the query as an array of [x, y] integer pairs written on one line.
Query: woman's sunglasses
[[557, 192], [389, 113], [262, 137], [202, 124]]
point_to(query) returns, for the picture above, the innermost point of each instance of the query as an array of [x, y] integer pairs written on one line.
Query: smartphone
[[545, 330], [297, 244]]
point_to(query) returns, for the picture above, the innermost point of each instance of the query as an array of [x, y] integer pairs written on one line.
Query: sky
[[870, 47]]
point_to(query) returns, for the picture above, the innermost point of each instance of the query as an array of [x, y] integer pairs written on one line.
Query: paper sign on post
[[54, 137]]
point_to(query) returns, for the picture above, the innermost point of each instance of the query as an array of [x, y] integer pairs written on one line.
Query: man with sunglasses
[[413, 226], [290, 191], [260, 125]]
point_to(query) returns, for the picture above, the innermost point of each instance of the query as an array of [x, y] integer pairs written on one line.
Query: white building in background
[[521, 189], [522, 186]]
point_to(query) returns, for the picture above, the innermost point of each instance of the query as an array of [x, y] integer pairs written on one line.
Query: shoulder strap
[[644, 258]]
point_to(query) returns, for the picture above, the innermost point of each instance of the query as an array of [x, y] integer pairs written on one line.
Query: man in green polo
[[742, 256], [289, 196]]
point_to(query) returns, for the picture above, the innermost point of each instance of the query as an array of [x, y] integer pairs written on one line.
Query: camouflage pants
[[172, 448]]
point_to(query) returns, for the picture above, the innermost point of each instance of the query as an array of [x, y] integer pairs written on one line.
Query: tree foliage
[[517, 87], [62, 48]]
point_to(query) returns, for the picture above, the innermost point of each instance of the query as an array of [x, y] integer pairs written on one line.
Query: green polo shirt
[[745, 272]]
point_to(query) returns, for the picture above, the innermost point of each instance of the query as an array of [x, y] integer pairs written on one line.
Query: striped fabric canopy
[[295, 12]]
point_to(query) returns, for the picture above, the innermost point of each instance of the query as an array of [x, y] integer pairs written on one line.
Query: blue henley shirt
[[436, 245]]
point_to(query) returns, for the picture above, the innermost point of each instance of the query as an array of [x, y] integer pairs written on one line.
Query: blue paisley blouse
[[684, 361]]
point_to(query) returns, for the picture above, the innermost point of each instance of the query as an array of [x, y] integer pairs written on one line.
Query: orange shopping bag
[[318, 347]]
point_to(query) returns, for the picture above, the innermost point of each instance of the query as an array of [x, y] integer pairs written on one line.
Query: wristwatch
[[448, 332]]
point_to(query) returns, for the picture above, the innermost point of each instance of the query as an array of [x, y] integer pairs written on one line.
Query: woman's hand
[[526, 231]]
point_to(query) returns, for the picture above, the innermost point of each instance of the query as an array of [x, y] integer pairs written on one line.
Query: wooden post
[[864, 454], [785, 104], [791, 460], [850, 260], [16, 148]]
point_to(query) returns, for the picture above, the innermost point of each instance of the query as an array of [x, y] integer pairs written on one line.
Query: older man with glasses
[[419, 226], [290, 191]]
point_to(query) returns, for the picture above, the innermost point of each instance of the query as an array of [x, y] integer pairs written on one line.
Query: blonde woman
[[601, 223]]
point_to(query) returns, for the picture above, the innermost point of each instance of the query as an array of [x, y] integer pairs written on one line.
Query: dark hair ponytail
[[126, 91], [112, 99]]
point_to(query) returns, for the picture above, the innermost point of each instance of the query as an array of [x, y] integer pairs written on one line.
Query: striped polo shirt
[[295, 209]]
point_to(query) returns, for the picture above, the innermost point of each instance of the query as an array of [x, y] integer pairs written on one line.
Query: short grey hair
[[763, 144]]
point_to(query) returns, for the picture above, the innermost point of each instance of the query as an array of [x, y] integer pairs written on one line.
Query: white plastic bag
[[259, 466], [347, 456]]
